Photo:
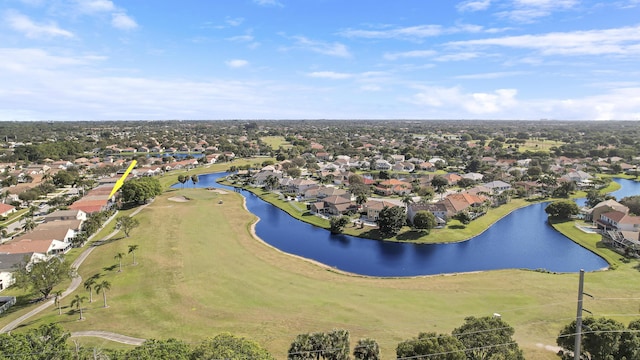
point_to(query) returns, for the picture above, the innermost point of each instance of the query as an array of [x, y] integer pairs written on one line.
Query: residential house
[[581, 178], [6, 210], [8, 264], [472, 176], [438, 210], [497, 186], [61, 215], [602, 207], [393, 186], [404, 166], [617, 220], [382, 164], [452, 178], [456, 203], [373, 207], [297, 186]]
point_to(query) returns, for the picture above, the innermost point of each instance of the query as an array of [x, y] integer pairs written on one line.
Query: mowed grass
[[200, 272], [276, 142], [539, 145]]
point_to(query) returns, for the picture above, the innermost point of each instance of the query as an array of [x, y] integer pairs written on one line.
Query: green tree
[[132, 251], [601, 341], [102, 287], [160, 349], [391, 220], [294, 172], [44, 275], [439, 183], [77, 302], [88, 285], [479, 334], [424, 220], [141, 190], [337, 223], [194, 180], [366, 349], [45, 342], [633, 203], [271, 181], [463, 216], [182, 179], [630, 342], [432, 346], [29, 225], [119, 257], [227, 346], [126, 223], [56, 301], [329, 346], [562, 209]]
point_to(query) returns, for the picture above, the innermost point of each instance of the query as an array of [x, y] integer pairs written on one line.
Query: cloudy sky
[[310, 59]]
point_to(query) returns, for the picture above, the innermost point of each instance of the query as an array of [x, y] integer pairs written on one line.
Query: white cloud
[[123, 21], [95, 6], [491, 75], [237, 63], [473, 5], [321, 47], [462, 56], [330, 75], [418, 32], [268, 3], [478, 103], [527, 11], [30, 29], [617, 41], [410, 54]]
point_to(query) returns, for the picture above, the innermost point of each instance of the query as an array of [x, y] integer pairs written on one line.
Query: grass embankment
[[200, 272]]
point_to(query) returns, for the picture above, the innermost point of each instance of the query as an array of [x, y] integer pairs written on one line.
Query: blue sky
[[310, 59]]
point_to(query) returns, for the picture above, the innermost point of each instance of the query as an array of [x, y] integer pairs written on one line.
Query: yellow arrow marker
[[120, 181]]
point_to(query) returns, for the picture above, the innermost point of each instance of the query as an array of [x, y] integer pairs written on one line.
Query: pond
[[520, 240]]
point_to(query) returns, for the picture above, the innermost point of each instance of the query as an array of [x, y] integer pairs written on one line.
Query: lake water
[[520, 240]]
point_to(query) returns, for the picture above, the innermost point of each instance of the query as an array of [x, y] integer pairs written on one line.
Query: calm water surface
[[520, 240]]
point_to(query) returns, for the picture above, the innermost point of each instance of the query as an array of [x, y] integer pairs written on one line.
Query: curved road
[[75, 283]]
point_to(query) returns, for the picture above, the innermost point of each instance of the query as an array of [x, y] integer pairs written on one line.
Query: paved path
[[110, 336], [75, 282]]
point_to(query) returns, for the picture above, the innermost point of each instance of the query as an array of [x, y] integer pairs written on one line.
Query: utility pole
[[581, 293], [576, 347]]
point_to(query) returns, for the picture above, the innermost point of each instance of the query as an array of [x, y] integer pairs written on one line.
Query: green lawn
[[539, 145], [276, 142], [200, 273]]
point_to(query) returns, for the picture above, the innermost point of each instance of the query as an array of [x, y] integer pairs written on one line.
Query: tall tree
[[56, 300], [160, 349], [43, 275], [439, 183], [88, 285], [126, 223], [337, 223], [77, 302], [366, 349], [424, 220], [132, 251], [562, 209], [479, 334], [432, 346], [391, 220], [227, 346], [102, 287], [194, 179], [601, 341], [182, 179], [119, 257]]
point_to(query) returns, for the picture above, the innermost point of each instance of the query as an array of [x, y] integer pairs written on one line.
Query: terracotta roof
[[26, 246], [5, 207]]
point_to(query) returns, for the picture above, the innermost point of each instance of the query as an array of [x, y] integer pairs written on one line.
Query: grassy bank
[[200, 272]]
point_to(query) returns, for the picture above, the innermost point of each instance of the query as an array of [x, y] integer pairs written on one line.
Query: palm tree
[[29, 225], [77, 302], [132, 251], [56, 300], [103, 287], [119, 257], [407, 200], [88, 285]]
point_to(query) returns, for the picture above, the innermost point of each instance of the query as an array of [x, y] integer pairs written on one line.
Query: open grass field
[[276, 142], [539, 145], [200, 272]]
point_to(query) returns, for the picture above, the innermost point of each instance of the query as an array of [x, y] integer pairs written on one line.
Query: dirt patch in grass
[[179, 199]]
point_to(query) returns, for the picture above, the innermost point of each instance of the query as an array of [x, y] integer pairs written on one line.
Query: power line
[[456, 351]]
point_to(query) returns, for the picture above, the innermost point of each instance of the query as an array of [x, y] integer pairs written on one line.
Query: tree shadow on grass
[[456, 227], [109, 241], [412, 235], [375, 234], [110, 268]]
